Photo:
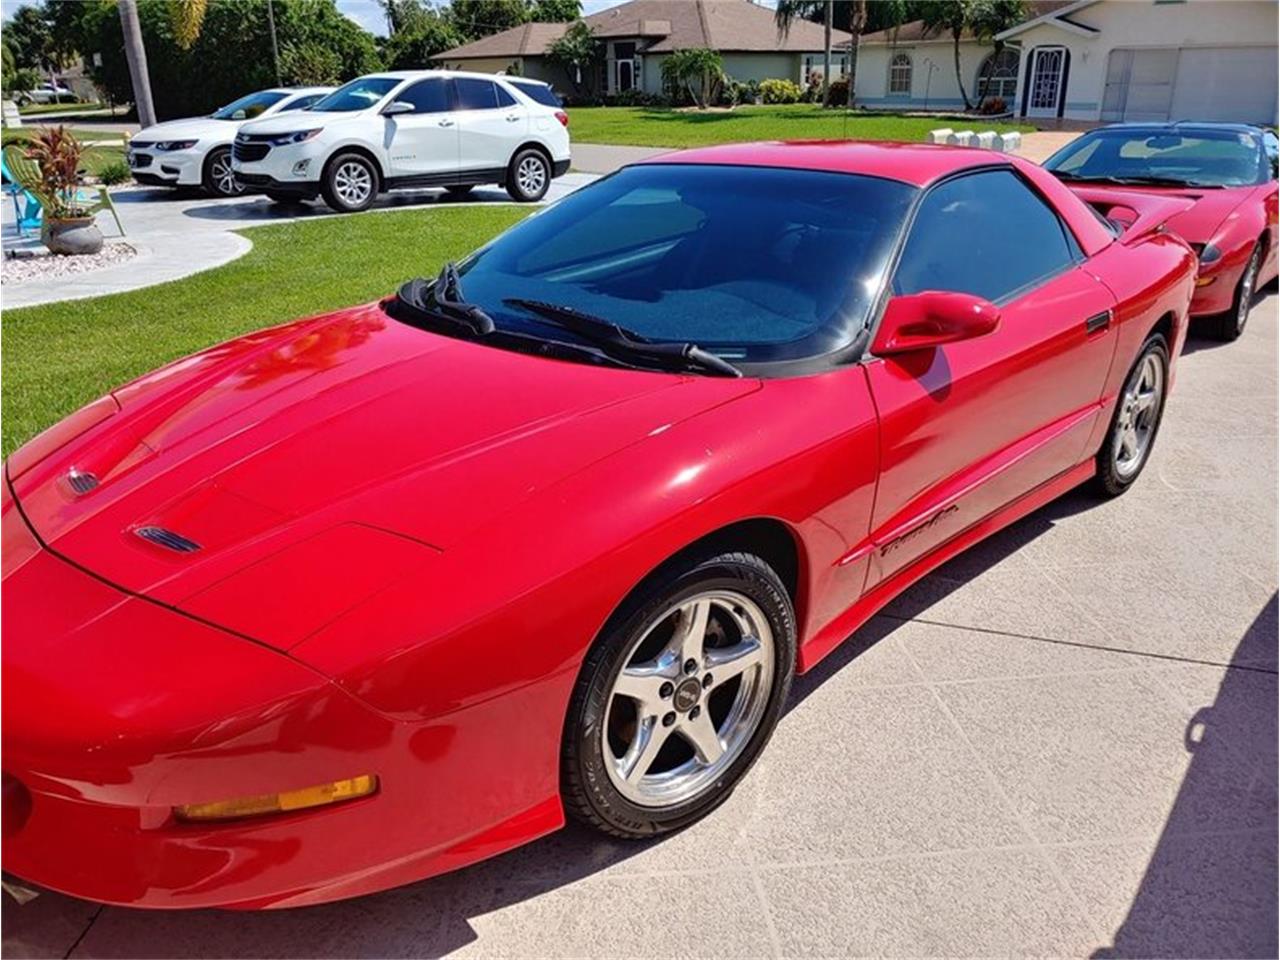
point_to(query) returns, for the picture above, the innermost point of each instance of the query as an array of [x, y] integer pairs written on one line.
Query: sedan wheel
[[674, 704], [219, 179], [1139, 410]]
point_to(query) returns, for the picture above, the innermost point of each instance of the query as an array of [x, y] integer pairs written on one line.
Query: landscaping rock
[[47, 266]]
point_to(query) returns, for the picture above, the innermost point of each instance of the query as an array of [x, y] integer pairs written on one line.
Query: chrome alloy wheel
[[531, 176], [223, 177], [353, 183], [1139, 415], [1247, 281], [689, 697]]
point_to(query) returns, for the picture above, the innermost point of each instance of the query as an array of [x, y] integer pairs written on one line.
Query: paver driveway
[[1063, 743]]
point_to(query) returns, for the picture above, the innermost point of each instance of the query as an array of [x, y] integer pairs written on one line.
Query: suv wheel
[[528, 176], [219, 179], [350, 183]]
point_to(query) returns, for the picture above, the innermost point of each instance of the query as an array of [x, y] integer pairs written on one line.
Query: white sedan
[[196, 152]]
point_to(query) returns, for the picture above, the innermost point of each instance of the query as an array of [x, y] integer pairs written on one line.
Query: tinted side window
[[476, 94], [504, 99], [427, 96], [539, 92], [987, 234], [300, 103]]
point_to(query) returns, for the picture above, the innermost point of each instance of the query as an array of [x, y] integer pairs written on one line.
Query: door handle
[[1098, 322], [446, 122]]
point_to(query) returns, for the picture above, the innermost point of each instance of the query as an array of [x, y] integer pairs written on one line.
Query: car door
[[490, 125], [968, 427], [422, 145]]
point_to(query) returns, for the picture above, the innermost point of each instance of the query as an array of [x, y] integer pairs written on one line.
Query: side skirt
[[449, 179], [831, 636]]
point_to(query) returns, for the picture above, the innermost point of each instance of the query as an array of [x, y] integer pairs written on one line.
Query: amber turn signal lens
[[1205, 281], [266, 803]]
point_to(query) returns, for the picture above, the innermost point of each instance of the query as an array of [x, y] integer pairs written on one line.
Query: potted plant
[[68, 221]]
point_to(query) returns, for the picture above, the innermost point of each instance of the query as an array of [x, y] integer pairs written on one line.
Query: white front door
[[423, 143], [1047, 67]]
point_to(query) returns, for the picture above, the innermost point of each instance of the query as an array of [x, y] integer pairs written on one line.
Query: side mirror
[[397, 106], [925, 320]]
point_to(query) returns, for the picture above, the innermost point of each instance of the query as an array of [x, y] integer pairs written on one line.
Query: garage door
[[1194, 83]]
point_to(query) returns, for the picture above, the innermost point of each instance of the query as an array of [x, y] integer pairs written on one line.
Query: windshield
[[248, 107], [1201, 158], [360, 94], [755, 264]]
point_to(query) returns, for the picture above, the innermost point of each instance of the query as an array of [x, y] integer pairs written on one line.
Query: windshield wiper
[[1135, 181], [442, 299], [618, 339]]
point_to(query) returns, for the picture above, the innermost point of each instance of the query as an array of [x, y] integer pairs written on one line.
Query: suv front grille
[[249, 152]]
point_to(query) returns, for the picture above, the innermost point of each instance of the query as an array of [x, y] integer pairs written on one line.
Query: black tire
[[458, 191], [341, 179], [589, 793], [528, 176], [1228, 326], [217, 179], [1115, 474]]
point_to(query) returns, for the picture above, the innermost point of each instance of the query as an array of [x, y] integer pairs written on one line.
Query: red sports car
[[373, 595], [1227, 170]]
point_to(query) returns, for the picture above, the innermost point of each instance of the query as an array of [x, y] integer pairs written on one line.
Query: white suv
[[196, 152], [408, 130]]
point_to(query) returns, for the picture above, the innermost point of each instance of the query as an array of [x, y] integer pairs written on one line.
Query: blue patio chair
[[28, 213]]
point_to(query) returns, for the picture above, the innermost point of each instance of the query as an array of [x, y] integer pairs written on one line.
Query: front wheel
[[1139, 410], [679, 696], [1230, 325], [528, 176], [350, 183], [219, 179]]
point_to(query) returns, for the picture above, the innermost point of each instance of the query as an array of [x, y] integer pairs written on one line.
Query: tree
[[186, 17], [578, 51], [473, 19], [788, 11], [29, 37], [310, 64], [402, 14], [858, 27], [698, 70], [954, 17], [414, 45], [988, 19], [135, 52], [555, 11]]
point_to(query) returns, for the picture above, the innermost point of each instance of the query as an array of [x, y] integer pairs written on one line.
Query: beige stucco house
[[1094, 60], [639, 35]]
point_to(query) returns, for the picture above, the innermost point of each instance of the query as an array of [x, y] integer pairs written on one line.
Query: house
[[637, 36], [1092, 60]]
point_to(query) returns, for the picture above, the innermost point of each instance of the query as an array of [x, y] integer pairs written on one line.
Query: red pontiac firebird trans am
[[1227, 170], [373, 595]]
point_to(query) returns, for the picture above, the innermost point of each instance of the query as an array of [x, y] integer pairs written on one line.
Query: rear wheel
[[1136, 420], [350, 183], [1230, 325], [679, 696], [528, 176], [219, 179]]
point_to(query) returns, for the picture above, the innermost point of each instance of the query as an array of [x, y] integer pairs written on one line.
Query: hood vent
[[167, 539], [81, 482]]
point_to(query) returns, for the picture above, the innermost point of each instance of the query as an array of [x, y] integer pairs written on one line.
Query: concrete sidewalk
[[1062, 743]]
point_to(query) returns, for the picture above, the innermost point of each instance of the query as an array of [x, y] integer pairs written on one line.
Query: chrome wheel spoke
[[725, 663], [643, 684], [644, 749], [702, 736], [691, 631]]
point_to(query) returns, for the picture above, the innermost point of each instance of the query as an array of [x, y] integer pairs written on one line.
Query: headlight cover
[[176, 144], [1209, 254], [300, 136]]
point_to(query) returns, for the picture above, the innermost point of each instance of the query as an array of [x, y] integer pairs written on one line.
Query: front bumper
[[170, 168], [116, 709], [292, 169]]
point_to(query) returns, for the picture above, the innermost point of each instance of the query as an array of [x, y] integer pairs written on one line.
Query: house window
[[998, 75], [900, 75]]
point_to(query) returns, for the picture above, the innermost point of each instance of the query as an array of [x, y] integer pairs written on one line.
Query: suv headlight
[[176, 144], [302, 136]]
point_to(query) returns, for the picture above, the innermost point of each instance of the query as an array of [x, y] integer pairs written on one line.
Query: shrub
[[698, 70], [637, 98], [993, 105], [58, 153], [780, 91], [839, 96], [117, 171]]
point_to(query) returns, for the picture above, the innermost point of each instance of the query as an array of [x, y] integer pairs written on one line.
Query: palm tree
[[954, 16], [858, 23], [136, 53], [989, 19], [788, 11], [187, 17]]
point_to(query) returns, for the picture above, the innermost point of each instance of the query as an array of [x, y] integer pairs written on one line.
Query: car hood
[[298, 120], [326, 457], [193, 128]]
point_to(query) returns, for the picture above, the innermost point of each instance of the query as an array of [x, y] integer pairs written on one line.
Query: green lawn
[[60, 356], [644, 126]]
